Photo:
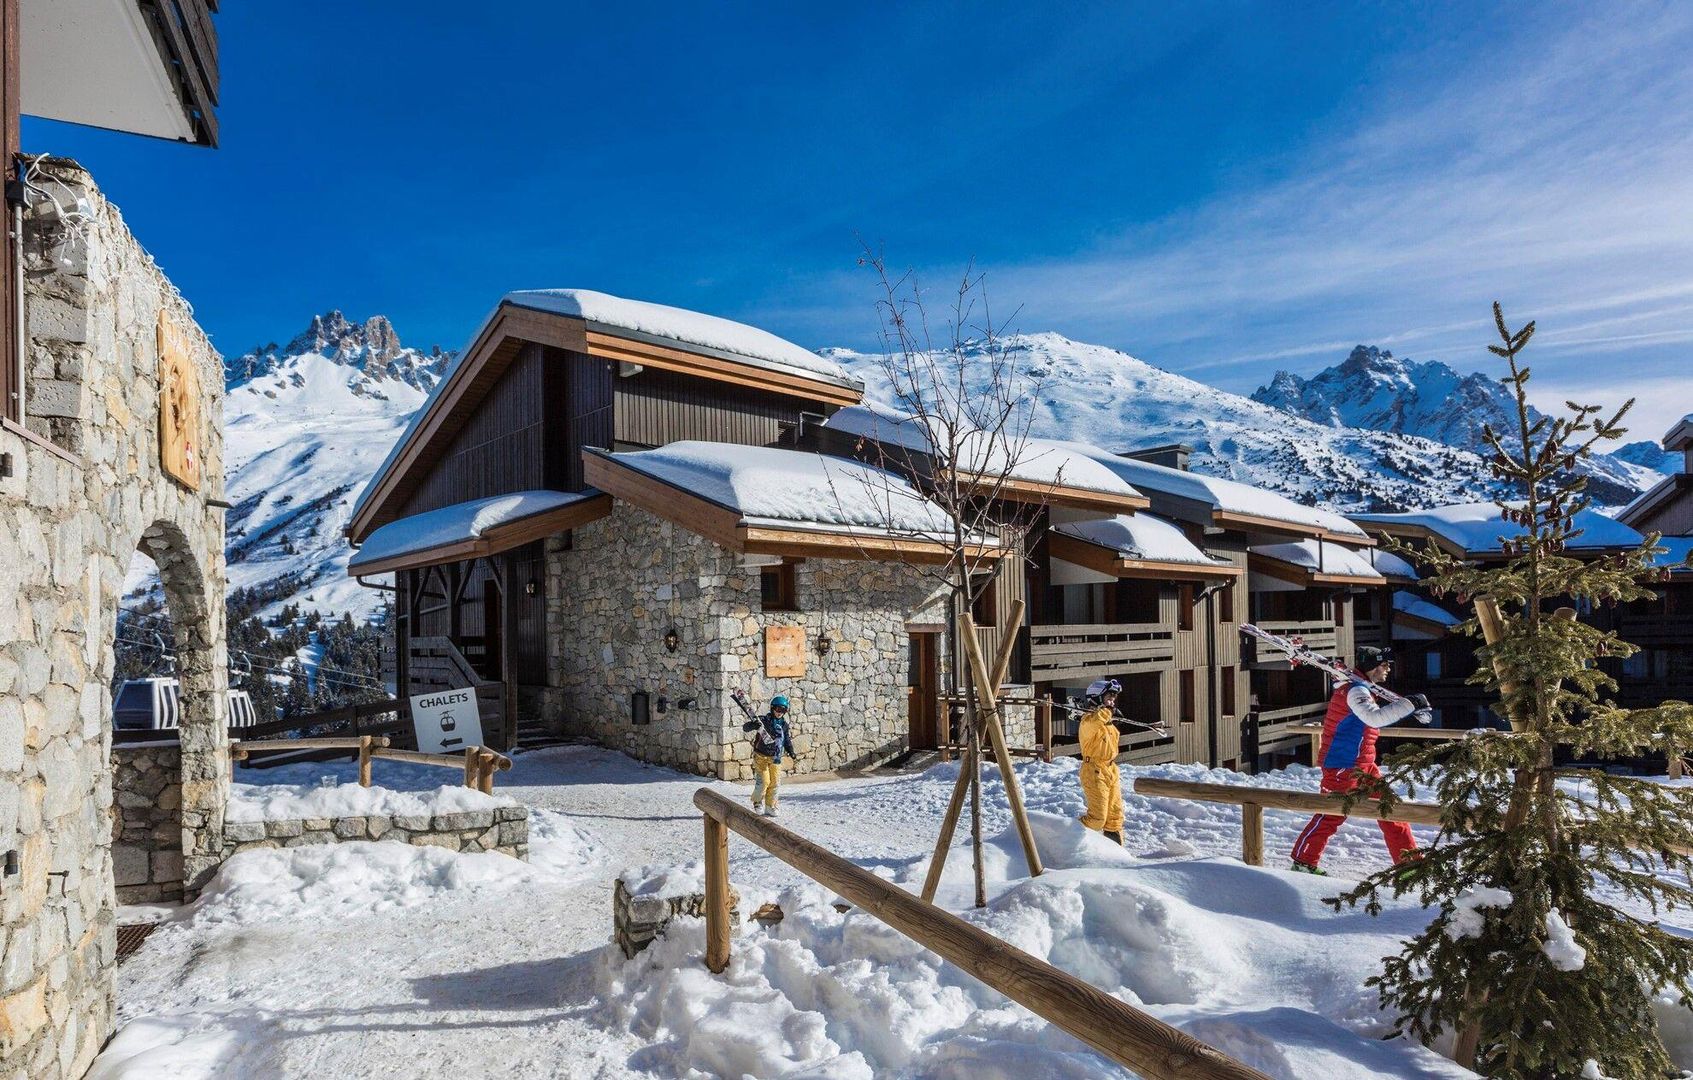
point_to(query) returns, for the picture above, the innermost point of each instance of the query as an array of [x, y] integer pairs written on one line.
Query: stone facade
[[624, 580], [504, 829], [86, 491], [147, 822], [637, 920]]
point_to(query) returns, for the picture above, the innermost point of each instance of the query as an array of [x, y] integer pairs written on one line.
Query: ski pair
[[1300, 655]]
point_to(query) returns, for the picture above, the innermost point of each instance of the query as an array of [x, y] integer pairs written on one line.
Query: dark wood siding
[[587, 409], [658, 407], [500, 449], [525, 571]]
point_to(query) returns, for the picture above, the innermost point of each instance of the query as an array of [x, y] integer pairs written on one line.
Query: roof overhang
[[1282, 570], [1664, 491], [728, 529], [148, 67], [1044, 494], [1419, 624], [497, 345], [1253, 523], [1110, 562], [1679, 437], [1408, 531], [503, 537]]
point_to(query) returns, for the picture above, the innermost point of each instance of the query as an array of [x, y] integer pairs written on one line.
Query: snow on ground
[[290, 802], [350, 962]]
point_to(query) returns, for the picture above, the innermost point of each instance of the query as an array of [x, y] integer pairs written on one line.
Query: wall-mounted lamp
[[529, 588], [6, 465], [11, 864], [672, 639], [686, 703], [824, 645]]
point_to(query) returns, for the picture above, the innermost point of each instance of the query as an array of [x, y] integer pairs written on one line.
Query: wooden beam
[[698, 515], [1300, 802], [717, 925], [1257, 523], [1108, 561], [1054, 494], [608, 344]]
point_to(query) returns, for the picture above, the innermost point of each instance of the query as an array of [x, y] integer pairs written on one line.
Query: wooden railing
[[1043, 726], [1083, 651], [1254, 801], [1674, 763], [479, 762], [1133, 1039], [1320, 636]]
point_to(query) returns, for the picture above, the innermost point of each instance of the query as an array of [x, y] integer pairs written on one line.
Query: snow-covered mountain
[[1376, 390], [306, 425], [1110, 398]]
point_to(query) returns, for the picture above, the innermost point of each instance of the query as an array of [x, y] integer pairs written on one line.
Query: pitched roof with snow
[[1476, 528], [1679, 437], [453, 531], [1415, 606], [1227, 497], [1140, 537], [1040, 462], [1392, 566], [1323, 560]]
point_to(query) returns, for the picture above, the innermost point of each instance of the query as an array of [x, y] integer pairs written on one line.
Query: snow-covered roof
[[771, 485], [1321, 557], [1412, 604], [1476, 528], [1680, 436], [1035, 461], [1390, 565], [1224, 496], [457, 523], [680, 325], [1141, 537]]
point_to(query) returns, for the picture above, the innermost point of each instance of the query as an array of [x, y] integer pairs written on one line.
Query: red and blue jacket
[[1350, 726]]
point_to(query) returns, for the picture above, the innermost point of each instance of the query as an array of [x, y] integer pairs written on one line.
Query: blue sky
[[1221, 190]]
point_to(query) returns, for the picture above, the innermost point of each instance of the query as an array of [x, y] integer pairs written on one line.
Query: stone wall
[[637, 920], [147, 822], [504, 829], [85, 493], [628, 578]]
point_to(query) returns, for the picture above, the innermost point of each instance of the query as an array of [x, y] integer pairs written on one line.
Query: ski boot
[[1114, 837], [1307, 868]]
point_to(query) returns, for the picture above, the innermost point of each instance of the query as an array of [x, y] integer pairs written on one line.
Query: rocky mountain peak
[[373, 347]]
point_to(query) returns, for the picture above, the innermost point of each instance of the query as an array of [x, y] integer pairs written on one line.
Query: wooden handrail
[[1132, 1038], [327, 742], [479, 762]]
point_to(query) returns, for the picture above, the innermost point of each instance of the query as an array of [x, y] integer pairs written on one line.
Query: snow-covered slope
[[1376, 390], [306, 426], [1100, 395]]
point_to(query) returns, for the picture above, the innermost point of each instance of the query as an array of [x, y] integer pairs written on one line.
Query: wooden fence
[[1674, 762], [479, 762], [1133, 1039], [1043, 726]]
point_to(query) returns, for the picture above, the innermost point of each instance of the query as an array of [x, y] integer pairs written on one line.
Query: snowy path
[[466, 977]]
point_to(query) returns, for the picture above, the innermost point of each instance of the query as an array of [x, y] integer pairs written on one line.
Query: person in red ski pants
[[1348, 755]]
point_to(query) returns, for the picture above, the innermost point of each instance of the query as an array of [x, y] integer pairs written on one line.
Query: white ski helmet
[[1100, 687]]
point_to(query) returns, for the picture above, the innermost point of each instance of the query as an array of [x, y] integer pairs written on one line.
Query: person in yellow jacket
[[1102, 786]]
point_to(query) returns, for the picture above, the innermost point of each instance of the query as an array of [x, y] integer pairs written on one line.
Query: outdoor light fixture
[[529, 588], [824, 645], [672, 639]]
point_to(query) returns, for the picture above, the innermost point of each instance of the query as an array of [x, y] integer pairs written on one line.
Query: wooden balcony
[[1370, 632], [1276, 727], [1657, 631], [1097, 650], [1318, 636]]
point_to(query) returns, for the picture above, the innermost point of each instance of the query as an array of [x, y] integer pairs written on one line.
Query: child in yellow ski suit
[[1102, 786]]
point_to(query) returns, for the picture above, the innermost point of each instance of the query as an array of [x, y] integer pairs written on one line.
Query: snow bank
[[165, 1048], [771, 484], [563, 848], [662, 882], [679, 324], [1324, 558], [1477, 529], [1140, 536], [290, 802], [457, 523]]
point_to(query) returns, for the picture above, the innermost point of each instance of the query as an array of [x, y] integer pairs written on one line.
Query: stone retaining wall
[[147, 822], [637, 920], [504, 829]]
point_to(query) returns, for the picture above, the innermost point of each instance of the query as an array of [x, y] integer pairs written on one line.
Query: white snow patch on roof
[[794, 486], [1412, 604], [458, 522], [1477, 528], [1390, 565], [1321, 557], [682, 325], [1228, 496], [1032, 460], [294, 802], [1140, 536]]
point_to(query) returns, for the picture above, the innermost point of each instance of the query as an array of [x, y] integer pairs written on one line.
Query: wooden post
[[1252, 834], [364, 761], [1492, 630], [1677, 765], [1046, 729], [716, 895], [996, 736], [487, 763], [471, 766]]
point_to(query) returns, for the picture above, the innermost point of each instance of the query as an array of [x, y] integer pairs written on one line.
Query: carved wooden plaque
[[784, 652], [180, 445]]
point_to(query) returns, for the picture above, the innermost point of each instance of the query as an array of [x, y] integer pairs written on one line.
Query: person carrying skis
[[1348, 755], [1102, 786], [772, 741]]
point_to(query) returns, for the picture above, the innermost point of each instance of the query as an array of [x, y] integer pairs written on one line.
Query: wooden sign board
[[180, 444], [784, 652]]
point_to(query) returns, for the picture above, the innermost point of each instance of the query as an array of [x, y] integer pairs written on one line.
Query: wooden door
[[923, 687]]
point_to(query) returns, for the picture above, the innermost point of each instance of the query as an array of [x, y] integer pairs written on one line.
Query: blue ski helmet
[[780, 701]]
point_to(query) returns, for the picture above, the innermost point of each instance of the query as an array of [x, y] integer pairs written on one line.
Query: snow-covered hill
[[306, 426], [1100, 395], [1376, 390]]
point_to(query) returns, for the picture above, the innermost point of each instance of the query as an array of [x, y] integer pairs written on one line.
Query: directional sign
[[446, 721]]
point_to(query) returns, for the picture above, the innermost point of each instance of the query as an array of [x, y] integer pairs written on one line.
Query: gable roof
[[1679, 437], [1134, 545], [1313, 562], [570, 319], [470, 529], [1475, 529]]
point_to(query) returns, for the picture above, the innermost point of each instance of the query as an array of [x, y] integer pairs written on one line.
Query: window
[[1341, 603], [777, 588], [1431, 662], [1136, 601], [1225, 602], [1227, 691], [1184, 701], [984, 609], [1184, 607]]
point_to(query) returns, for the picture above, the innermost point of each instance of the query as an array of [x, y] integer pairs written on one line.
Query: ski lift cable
[[249, 656], [263, 664]]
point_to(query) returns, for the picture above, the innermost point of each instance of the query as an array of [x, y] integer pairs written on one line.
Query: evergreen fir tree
[[1523, 957]]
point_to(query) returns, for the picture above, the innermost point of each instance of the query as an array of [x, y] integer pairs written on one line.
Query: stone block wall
[[628, 578], [504, 829], [637, 920], [147, 822], [86, 492]]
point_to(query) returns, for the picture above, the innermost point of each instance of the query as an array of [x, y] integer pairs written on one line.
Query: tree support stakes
[[716, 895]]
